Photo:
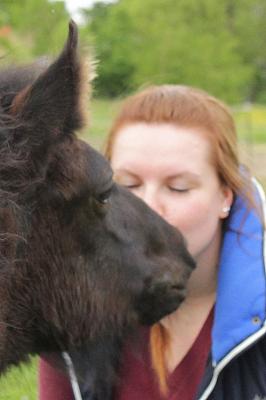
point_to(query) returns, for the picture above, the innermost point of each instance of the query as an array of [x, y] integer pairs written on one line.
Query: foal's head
[[91, 258]]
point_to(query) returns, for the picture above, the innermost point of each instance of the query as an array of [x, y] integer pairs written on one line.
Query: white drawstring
[[72, 376]]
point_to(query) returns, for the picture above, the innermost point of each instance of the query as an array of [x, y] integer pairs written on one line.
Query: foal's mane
[[13, 158], [12, 145]]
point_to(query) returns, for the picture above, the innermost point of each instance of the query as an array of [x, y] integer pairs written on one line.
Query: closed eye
[[179, 190]]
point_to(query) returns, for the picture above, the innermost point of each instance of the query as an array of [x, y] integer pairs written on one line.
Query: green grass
[[21, 383], [102, 113], [251, 123]]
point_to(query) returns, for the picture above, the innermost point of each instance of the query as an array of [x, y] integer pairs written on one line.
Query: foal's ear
[[52, 107]]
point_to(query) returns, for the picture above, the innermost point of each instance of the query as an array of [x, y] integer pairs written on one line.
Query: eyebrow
[[123, 170], [184, 174]]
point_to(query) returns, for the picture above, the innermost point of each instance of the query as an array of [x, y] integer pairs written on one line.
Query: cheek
[[187, 215], [197, 219]]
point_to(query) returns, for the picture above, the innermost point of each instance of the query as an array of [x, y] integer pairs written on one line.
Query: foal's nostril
[[167, 286], [166, 281]]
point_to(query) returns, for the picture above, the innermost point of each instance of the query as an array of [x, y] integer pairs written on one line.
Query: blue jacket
[[236, 367]]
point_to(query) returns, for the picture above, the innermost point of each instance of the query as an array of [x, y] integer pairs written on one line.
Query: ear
[[51, 108], [227, 200]]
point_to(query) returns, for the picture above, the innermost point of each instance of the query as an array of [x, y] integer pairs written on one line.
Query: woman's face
[[169, 167]]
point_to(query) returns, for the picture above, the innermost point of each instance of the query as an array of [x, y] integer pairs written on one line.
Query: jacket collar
[[241, 294]]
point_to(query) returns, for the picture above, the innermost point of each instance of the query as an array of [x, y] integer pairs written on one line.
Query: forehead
[[161, 146]]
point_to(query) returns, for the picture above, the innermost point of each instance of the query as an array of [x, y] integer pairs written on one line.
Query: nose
[[150, 195]]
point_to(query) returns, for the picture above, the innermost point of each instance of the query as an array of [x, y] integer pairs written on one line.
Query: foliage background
[[219, 46]]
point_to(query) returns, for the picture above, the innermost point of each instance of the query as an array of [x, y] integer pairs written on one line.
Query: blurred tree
[[189, 42], [248, 20], [218, 46], [37, 27], [214, 45], [110, 29]]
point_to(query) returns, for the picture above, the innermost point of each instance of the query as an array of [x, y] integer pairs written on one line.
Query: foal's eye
[[104, 197]]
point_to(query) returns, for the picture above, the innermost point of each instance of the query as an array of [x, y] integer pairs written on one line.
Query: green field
[[21, 383], [251, 123]]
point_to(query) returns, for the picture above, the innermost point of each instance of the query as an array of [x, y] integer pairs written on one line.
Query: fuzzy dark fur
[[82, 260]]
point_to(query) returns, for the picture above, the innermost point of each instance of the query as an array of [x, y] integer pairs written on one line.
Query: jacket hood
[[240, 309]]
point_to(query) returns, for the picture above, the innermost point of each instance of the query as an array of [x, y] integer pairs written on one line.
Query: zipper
[[229, 357], [72, 376], [263, 200]]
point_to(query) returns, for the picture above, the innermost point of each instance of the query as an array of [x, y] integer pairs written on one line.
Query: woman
[[176, 148]]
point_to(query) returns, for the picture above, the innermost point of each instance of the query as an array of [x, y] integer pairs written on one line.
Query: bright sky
[[74, 5]]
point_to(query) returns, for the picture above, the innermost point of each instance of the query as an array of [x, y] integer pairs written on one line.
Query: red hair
[[188, 107]]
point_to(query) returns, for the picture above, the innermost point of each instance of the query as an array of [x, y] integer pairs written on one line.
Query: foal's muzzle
[[159, 300]]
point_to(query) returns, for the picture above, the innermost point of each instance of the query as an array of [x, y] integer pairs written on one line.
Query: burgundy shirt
[[137, 380]]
